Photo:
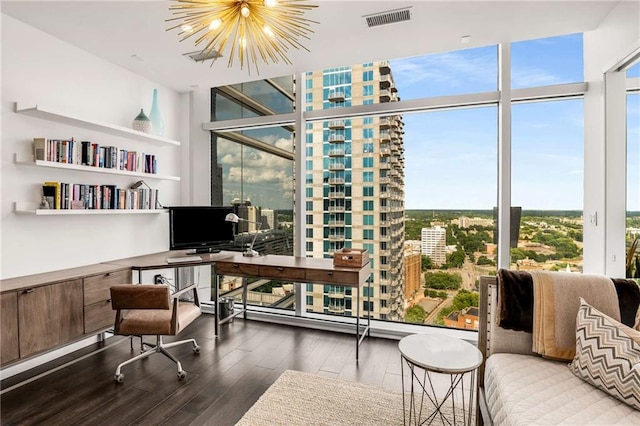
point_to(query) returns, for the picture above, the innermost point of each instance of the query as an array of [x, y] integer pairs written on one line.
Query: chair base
[[159, 347]]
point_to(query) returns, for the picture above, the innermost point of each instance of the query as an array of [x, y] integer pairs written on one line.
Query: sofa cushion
[[607, 355], [525, 390]]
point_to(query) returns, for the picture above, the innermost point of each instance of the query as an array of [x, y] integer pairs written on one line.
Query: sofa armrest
[[491, 337]]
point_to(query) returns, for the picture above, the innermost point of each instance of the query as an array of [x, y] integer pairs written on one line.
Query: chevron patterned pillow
[[607, 355]]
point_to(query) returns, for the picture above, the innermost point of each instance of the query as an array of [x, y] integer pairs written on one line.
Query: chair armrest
[[184, 290], [176, 296]]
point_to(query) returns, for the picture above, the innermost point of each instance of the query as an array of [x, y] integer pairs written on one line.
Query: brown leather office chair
[[151, 310]]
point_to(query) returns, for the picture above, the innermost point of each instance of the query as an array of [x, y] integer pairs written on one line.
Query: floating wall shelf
[[46, 113], [31, 208], [90, 169]]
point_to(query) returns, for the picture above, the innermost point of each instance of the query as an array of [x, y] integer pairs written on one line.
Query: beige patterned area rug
[[304, 399]]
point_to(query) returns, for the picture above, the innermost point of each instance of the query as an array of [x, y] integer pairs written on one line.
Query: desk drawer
[[96, 287], [282, 273], [237, 269], [98, 316], [345, 278]]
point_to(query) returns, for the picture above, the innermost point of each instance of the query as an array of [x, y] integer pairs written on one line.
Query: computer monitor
[[200, 228]]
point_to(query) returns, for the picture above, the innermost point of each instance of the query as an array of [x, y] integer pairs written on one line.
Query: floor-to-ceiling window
[[417, 187], [546, 185], [547, 157], [252, 170]]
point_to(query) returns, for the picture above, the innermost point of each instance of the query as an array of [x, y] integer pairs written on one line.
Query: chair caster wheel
[[182, 375], [196, 349], [119, 378]]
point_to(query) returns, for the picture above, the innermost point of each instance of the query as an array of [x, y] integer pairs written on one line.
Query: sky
[[451, 155]]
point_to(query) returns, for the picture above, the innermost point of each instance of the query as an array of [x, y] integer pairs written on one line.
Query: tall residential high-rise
[[268, 219], [355, 187], [434, 244]]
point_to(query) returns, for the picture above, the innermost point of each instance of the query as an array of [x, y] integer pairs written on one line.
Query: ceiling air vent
[[389, 17], [201, 56]]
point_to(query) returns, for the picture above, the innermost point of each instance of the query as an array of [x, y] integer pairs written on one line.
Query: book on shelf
[[40, 151], [67, 196], [53, 189], [86, 153]]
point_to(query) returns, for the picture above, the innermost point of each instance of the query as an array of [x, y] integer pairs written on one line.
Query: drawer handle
[[108, 274], [280, 268], [235, 265], [27, 291], [330, 273], [108, 300]]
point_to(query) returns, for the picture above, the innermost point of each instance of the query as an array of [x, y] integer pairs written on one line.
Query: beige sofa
[[519, 387]]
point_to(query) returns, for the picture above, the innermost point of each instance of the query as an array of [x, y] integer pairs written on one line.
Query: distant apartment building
[[433, 242], [413, 246], [412, 274], [252, 216], [355, 187], [268, 219], [465, 222]]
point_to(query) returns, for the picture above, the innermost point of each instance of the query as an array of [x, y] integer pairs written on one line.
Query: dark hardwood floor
[[223, 381]]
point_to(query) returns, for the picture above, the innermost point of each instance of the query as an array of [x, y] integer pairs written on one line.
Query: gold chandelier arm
[[263, 33]]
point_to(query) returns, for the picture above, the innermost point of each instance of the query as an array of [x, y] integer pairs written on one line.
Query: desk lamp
[[233, 218]]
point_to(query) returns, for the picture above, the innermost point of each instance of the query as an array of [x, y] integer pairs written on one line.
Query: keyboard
[[184, 259]]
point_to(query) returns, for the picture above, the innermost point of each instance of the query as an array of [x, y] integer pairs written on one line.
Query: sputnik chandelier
[[252, 29]]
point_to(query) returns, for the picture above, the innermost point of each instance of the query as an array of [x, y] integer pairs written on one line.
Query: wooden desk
[[296, 269], [273, 267]]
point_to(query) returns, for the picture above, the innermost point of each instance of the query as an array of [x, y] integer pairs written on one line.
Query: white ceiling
[[116, 30]]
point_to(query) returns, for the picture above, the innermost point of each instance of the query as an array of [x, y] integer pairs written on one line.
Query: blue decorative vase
[[157, 124]]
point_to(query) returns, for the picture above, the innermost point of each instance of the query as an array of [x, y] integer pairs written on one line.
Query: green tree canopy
[[442, 280], [415, 315], [427, 262], [456, 259], [484, 260]]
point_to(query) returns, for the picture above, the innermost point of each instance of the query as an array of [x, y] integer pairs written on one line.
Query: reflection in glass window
[[547, 183], [253, 98], [250, 175], [547, 61]]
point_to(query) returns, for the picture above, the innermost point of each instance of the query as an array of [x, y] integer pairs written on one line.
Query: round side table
[[434, 353]]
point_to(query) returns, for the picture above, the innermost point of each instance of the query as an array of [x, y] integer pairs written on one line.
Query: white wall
[[615, 38], [41, 69]]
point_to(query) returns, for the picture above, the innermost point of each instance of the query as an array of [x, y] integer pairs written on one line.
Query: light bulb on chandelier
[[215, 24]]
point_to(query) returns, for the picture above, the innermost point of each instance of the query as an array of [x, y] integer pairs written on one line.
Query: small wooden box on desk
[[354, 258]]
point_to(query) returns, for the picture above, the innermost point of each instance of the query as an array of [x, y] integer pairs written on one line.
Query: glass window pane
[[547, 183], [451, 186], [547, 61], [253, 98], [442, 74]]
